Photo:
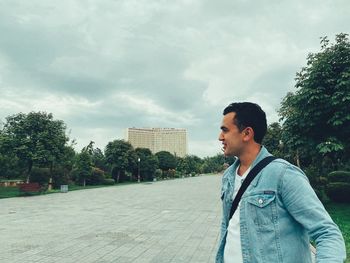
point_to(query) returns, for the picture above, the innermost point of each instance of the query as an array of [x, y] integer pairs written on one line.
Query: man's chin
[[227, 153]]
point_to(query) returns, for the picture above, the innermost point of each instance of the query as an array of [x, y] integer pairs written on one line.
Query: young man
[[279, 212]]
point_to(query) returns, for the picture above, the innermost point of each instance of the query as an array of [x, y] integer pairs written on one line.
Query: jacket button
[[260, 201]]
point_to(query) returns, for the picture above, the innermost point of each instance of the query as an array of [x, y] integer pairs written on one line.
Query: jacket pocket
[[262, 208]]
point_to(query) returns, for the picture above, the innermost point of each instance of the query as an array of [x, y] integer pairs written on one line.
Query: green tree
[[166, 160], [67, 158], [62, 170], [148, 163], [83, 167], [35, 138], [190, 164], [10, 167], [316, 118], [97, 156], [120, 156], [273, 140], [99, 160], [217, 163]]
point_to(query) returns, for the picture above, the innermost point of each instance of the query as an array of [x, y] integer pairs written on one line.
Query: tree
[[67, 158], [121, 157], [217, 163], [35, 138], [62, 171], [148, 163], [97, 157], [10, 167], [83, 167], [190, 164], [273, 140], [316, 118], [166, 160]]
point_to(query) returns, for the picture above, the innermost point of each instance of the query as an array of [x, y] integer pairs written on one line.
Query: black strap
[[251, 175]]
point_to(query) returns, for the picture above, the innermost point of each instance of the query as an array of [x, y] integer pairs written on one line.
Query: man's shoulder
[[286, 169]]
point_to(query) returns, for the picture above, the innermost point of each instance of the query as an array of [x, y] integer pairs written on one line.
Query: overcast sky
[[105, 65]]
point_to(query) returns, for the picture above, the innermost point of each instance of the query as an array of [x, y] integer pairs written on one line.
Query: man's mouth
[[223, 147]]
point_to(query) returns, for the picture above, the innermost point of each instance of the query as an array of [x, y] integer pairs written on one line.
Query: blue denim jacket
[[279, 214]]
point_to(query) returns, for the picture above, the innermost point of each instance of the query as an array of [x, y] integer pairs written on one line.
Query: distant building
[[159, 139]]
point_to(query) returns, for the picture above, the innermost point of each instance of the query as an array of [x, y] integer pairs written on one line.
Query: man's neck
[[248, 157]]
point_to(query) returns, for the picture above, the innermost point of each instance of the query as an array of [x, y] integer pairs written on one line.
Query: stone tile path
[[166, 221]]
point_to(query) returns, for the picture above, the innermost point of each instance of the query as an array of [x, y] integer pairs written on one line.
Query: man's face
[[230, 136]]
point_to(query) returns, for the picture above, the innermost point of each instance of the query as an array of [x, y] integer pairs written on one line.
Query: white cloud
[[102, 66], [149, 108]]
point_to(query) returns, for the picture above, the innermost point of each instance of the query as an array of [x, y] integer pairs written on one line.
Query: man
[[279, 212]]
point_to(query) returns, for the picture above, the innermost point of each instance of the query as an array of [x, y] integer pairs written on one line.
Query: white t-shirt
[[233, 251]]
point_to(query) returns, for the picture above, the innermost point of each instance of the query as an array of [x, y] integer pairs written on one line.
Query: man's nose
[[221, 137]]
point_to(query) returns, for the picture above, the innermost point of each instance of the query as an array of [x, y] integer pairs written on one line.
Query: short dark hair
[[249, 114]]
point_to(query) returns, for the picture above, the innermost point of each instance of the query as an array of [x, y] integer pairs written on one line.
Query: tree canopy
[[166, 160], [34, 138], [148, 163], [316, 118], [121, 157]]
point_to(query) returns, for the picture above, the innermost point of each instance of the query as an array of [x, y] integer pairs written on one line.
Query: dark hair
[[249, 114]]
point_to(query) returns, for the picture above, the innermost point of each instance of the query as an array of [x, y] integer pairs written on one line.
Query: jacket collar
[[232, 169], [262, 154]]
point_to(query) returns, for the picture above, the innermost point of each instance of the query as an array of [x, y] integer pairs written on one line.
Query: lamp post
[[138, 170]]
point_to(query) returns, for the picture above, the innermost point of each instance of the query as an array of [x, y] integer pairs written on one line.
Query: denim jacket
[[279, 214]]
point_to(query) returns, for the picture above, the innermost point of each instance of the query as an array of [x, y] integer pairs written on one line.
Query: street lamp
[[138, 170]]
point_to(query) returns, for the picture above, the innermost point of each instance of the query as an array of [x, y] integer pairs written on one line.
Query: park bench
[[30, 188]]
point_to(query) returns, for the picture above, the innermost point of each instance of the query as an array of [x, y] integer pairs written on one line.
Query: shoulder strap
[[251, 175]]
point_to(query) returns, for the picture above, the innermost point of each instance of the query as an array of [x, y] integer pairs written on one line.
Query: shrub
[[158, 174], [178, 174], [313, 174], [60, 176], [169, 173], [320, 192], [108, 175], [339, 192], [108, 182], [40, 175], [323, 181], [97, 177], [339, 176], [123, 176]]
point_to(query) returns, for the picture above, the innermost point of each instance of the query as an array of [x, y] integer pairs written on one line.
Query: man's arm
[[304, 205]]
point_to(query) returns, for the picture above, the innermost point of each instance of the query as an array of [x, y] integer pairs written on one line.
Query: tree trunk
[[30, 166], [298, 160], [50, 180], [118, 176]]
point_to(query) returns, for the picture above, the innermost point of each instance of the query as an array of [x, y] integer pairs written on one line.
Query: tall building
[[159, 139]]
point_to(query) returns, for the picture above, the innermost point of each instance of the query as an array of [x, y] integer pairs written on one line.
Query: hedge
[[339, 192], [339, 176]]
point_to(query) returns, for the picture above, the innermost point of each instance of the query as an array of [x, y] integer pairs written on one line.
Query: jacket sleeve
[[303, 204], [223, 220]]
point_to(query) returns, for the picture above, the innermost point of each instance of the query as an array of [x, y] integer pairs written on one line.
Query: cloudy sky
[[104, 65]]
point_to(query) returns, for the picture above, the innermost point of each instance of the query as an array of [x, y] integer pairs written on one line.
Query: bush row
[[338, 186]]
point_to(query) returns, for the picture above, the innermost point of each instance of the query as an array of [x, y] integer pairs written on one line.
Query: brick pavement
[[166, 221]]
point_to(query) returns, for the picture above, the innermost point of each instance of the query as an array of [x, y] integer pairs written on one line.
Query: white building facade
[[172, 140]]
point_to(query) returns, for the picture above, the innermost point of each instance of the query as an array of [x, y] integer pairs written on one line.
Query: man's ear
[[248, 134]]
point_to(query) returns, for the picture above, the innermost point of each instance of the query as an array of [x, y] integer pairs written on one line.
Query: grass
[[340, 214], [7, 192]]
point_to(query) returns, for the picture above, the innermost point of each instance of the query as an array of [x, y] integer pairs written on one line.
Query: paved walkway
[[167, 221]]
